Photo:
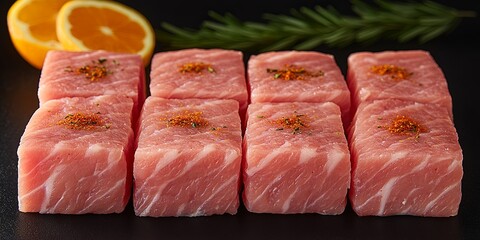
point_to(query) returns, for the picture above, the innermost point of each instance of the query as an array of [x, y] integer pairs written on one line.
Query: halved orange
[[111, 26], [31, 24]]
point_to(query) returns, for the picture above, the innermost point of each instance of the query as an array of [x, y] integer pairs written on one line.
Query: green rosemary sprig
[[309, 28]]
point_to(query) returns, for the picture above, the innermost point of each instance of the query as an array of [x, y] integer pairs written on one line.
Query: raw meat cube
[[296, 76], [199, 73], [407, 75], [296, 159], [86, 74], [188, 158], [76, 156], [406, 160]]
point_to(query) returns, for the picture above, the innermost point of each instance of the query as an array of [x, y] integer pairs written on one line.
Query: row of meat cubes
[[185, 148]]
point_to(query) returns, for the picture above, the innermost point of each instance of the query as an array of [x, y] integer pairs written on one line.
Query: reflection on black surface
[[306, 226], [407, 227], [215, 227], [243, 226], [45, 226]]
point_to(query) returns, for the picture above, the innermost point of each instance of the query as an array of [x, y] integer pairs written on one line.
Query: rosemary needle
[[308, 28]]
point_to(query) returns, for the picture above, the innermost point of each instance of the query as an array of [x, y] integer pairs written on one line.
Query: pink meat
[[331, 87], [303, 172], [399, 174], [226, 82], [77, 171], [187, 171], [427, 84], [60, 76]]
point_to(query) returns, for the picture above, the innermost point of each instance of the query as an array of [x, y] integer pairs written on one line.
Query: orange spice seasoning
[[94, 71], [295, 122], [188, 119], [404, 125], [395, 72], [82, 121], [217, 130], [292, 72], [196, 67]]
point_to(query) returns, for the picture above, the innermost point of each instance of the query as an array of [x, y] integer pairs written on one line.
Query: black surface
[[457, 54]]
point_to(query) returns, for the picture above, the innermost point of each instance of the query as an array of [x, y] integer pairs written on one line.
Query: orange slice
[[31, 24], [111, 26]]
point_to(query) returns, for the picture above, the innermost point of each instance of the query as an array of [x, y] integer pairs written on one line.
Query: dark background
[[457, 54]]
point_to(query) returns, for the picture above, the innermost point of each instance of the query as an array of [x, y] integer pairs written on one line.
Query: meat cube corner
[[199, 73], [188, 158], [296, 159], [76, 155], [406, 160], [298, 76]]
